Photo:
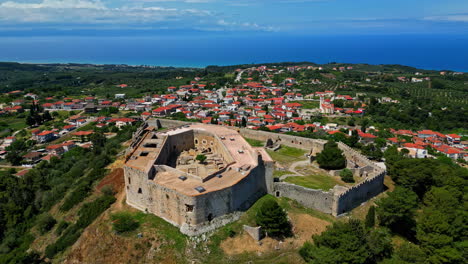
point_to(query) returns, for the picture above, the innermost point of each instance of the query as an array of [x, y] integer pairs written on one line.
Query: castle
[[164, 177]]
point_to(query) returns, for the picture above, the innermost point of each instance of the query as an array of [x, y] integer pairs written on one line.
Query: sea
[[434, 52]]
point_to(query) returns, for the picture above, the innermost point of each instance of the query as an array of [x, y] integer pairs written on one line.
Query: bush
[[62, 225], [45, 223], [75, 197], [273, 219], [108, 190], [87, 213], [92, 210], [123, 222], [201, 158], [347, 175]]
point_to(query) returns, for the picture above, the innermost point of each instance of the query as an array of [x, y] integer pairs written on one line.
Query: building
[[163, 176], [45, 136]]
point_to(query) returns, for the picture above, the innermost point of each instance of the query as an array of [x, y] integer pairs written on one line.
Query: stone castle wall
[[198, 214], [317, 199], [337, 200]]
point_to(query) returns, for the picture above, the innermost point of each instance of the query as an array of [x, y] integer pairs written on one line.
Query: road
[[239, 76]]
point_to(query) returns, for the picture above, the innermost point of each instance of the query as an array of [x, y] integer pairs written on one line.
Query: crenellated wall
[[336, 201], [317, 199]]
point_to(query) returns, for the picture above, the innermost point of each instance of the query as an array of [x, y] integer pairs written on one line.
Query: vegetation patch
[[287, 155], [315, 181], [254, 142], [123, 222]]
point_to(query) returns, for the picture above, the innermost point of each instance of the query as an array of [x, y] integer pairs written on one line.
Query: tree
[[348, 242], [407, 253], [370, 217], [46, 116], [273, 219], [30, 121], [372, 152], [347, 175], [331, 158], [201, 158], [397, 210], [364, 124], [123, 222], [244, 122], [98, 139]]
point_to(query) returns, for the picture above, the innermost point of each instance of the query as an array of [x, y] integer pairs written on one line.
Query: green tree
[[273, 219], [331, 158], [348, 242], [244, 122], [370, 217], [201, 158], [397, 210], [347, 175]]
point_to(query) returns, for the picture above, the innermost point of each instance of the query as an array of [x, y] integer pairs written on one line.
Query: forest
[[24, 202]]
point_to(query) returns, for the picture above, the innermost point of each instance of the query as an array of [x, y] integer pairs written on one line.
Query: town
[[230, 163], [261, 98]]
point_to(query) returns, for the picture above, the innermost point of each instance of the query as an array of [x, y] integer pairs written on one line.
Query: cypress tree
[[370, 217], [273, 220]]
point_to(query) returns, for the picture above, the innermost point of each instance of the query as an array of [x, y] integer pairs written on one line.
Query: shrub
[[123, 222], [273, 219], [75, 197], [87, 213], [62, 225], [347, 175], [92, 210], [45, 223], [201, 158], [108, 190]]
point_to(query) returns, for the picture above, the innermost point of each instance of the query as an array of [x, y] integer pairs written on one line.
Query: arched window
[[139, 190]]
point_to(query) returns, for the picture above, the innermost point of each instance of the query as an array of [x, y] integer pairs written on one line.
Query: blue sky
[[305, 17]]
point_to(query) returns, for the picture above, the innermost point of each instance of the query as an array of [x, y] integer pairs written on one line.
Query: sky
[[211, 17]]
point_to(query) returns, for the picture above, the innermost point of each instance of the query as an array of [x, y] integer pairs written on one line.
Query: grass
[[315, 181], [308, 104], [279, 173], [12, 123], [217, 255], [163, 228], [287, 155], [254, 142]]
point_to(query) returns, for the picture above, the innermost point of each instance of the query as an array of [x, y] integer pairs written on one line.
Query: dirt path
[[293, 167]]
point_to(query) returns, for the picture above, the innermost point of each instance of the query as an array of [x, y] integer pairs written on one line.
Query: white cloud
[[449, 18], [96, 12], [55, 4]]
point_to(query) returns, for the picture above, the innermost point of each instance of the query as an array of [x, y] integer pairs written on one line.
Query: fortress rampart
[[159, 182], [336, 201]]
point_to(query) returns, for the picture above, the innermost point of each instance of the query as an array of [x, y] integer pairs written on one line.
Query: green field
[[287, 155], [12, 123], [317, 181], [279, 173], [308, 104], [254, 142]]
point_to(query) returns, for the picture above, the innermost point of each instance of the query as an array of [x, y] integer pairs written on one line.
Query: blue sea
[[438, 52]]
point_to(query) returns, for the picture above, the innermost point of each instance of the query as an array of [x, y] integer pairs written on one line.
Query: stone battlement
[[336, 201]]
